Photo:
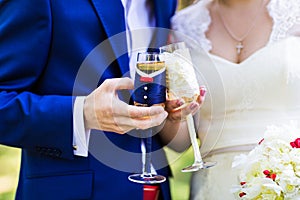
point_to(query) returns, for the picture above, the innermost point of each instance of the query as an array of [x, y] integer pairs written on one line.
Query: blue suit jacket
[[43, 46]]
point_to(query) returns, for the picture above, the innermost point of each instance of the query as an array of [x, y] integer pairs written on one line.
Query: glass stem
[[148, 145], [193, 137]]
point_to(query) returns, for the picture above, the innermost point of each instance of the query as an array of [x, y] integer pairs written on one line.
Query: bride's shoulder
[[191, 23], [286, 18], [284, 7], [194, 13]]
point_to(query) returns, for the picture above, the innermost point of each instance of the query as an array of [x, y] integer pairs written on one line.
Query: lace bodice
[[194, 20]]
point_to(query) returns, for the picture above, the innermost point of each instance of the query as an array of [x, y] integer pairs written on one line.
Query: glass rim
[[172, 47], [146, 57]]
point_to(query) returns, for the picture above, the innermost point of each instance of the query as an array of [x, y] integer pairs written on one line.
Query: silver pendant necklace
[[239, 46]]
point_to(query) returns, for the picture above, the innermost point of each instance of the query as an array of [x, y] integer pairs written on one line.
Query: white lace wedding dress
[[242, 99]]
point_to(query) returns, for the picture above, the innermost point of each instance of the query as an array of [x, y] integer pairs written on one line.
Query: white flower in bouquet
[[272, 169]]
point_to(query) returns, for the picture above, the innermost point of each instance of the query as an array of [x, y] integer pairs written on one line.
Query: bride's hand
[[179, 114]]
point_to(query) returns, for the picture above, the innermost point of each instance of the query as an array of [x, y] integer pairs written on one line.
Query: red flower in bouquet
[[296, 143]]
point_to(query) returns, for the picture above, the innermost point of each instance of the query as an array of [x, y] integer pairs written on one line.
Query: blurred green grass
[[10, 164], [9, 171], [180, 182]]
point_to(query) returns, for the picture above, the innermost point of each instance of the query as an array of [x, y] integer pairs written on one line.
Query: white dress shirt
[[138, 17]]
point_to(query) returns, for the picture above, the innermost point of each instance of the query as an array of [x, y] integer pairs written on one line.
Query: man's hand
[[103, 110]]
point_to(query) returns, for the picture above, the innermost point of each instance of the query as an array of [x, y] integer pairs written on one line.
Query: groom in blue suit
[[44, 45]]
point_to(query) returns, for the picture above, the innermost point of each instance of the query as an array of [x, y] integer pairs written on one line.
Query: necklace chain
[[239, 46]]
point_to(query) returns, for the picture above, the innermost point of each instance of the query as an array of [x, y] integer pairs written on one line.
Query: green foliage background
[[9, 171]]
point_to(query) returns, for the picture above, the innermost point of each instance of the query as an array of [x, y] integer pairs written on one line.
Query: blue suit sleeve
[[29, 119]]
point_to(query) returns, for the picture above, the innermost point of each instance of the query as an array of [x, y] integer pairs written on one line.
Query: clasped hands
[[103, 110]]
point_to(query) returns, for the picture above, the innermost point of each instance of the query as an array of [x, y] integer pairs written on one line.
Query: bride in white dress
[[248, 56]]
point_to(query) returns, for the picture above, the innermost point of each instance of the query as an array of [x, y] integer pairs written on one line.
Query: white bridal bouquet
[[272, 169]]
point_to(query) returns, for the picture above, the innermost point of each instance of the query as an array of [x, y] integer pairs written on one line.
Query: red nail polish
[[202, 91], [179, 103], [193, 106]]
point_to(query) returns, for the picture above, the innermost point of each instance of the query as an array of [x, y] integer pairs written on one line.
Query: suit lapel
[[111, 15]]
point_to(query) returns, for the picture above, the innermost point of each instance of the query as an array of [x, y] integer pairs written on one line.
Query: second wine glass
[[182, 84]]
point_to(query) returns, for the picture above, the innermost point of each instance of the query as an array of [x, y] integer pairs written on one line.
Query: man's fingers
[[141, 112], [111, 85], [123, 83], [124, 124], [121, 129], [145, 123]]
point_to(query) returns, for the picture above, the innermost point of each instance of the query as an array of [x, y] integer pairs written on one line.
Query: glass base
[[147, 178], [198, 166]]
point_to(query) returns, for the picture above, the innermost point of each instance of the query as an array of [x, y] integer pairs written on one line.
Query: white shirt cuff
[[81, 136]]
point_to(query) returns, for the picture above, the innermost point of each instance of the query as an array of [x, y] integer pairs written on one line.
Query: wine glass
[[150, 89], [182, 84]]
